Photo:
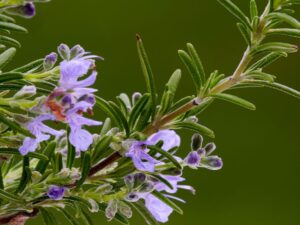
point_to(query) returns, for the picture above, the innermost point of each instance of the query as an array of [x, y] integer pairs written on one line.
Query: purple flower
[[41, 132], [56, 192], [138, 151], [141, 159], [169, 137], [80, 138], [159, 210]]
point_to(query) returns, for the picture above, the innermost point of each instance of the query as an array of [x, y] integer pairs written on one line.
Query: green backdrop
[[259, 184]]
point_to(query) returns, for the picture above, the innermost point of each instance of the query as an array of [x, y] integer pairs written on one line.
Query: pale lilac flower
[[56, 192], [80, 138], [140, 158], [159, 210], [41, 132], [138, 151]]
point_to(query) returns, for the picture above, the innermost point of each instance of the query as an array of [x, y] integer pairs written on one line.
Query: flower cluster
[[147, 187], [68, 102]]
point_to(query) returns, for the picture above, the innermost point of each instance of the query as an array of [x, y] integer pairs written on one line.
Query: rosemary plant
[[50, 163]]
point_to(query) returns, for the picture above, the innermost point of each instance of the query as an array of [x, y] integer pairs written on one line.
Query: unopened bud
[[213, 163], [135, 97], [27, 10], [111, 210], [193, 159], [132, 197], [25, 92], [50, 61], [197, 141], [124, 209], [77, 50], [139, 179], [209, 148], [64, 51]]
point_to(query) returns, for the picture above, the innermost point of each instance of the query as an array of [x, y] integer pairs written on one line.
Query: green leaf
[[110, 110], [267, 60], [161, 179], [7, 56], [13, 151], [48, 217], [166, 155], [253, 9], [12, 27], [276, 86], [106, 126], [276, 47], [6, 18], [195, 127], [120, 116], [48, 151], [10, 197], [70, 217], [85, 168], [14, 126], [188, 62], [285, 18], [167, 201], [71, 154], [197, 62], [143, 211], [26, 176], [147, 72], [137, 109], [101, 148], [32, 66], [9, 41], [57, 162], [236, 11], [235, 100], [285, 32], [261, 76], [169, 93], [10, 76], [245, 33], [86, 217]]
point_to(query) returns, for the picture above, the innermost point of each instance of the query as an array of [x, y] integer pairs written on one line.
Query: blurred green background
[[259, 184]]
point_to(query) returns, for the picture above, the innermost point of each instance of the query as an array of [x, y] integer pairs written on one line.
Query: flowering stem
[[156, 125], [101, 165]]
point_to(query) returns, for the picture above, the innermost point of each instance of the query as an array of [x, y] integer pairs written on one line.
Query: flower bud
[[209, 148], [132, 197], [77, 50], [64, 51], [124, 209], [50, 61], [193, 159], [212, 163], [129, 181], [135, 97], [146, 187], [197, 141], [111, 210], [139, 179], [27, 10], [26, 91]]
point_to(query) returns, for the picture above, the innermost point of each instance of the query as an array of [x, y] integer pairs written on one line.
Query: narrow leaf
[[137, 109], [187, 60], [10, 197], [276, 86], [14, 126], [197, 61], [166, 155], [10, 76], [9, 41], [235, 100], [267, 60], [48, 151], [253, 9], [6, 57], [48, 217], [195, 127], [13, 151], [12, 27], [147, 71], [236, 11], [71, 154], [85, 168], [144, 212]]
